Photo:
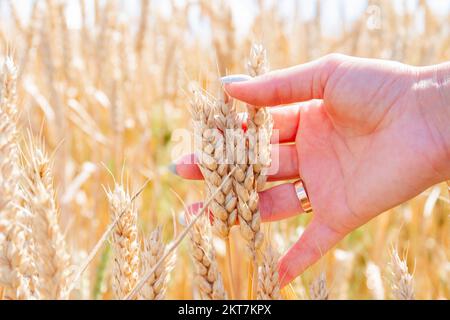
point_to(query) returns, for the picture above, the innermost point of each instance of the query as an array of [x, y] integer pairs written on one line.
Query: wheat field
[[91, 115]]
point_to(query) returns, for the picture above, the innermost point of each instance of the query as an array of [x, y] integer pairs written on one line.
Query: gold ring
[[302, 196]]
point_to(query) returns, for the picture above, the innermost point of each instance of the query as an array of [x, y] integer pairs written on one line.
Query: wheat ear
[[17, 270], [177, 241], [402, 284], [125, 242], [51, 256], [213, 121], [154, 249], [250, 177], [208, 277], [318, 289], [252, 174], [211, 151], [9, 152], [269, 286]]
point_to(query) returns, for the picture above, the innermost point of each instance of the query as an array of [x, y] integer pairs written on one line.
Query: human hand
[[367, 135]]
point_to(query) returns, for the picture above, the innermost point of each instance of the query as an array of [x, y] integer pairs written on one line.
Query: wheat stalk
[[154, 248], [125, 242], [208, 277], [140, 37], [402, 282], [318, 289], [51, 256], [269, 286]]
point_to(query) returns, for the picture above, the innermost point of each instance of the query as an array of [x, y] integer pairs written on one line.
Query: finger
[[300, 83], [284, 165], [186, 167], [315, 241], [279, 202], [285, 123]]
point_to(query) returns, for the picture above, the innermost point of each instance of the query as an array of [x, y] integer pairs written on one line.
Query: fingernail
[[173, 168], [235, 78]]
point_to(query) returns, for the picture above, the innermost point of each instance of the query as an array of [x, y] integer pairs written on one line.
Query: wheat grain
[[51, 256], [154, 248], [402, 282], [125, 242], [269, 287], [208, 277]]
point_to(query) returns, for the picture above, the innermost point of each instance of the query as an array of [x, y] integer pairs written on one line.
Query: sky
[[244, 10]]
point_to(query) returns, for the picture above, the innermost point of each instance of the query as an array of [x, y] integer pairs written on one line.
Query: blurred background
[[106, 83]]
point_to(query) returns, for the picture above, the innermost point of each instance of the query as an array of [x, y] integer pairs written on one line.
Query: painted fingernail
[[235, 78], [173, 168]]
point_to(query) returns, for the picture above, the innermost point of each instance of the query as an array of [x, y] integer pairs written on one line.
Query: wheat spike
[[154, 248], [208, 277], [9, 153], [17, 269], [17, 272], [269, 287], [251, 177], [125, 242], [50, 253], [257, 64], [208, 116], [402, 281], [318, 289]]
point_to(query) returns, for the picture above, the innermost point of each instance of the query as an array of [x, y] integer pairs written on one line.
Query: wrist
[[432, 88]]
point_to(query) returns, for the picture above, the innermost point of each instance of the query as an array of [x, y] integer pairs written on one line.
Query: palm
[[354, 159]]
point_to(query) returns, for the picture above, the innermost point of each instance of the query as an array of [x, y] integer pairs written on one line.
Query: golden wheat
[[17, 268], [111, 93], [402, 282], [208, 277], [50, 252], [269, 287], [125, 241], [154, 248]]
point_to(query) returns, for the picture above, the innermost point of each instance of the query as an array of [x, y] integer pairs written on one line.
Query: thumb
[[300, 83], [315, 241]]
